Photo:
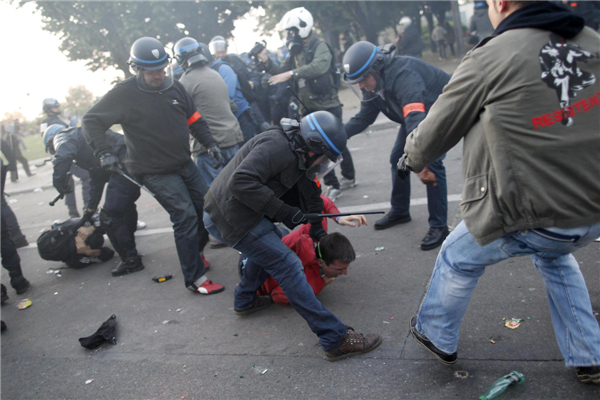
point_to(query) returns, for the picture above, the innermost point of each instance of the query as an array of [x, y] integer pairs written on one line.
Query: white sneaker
[[334, 194], [141, 225], [347, 183]]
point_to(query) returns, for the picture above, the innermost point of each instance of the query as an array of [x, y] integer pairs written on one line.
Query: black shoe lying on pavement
[[445, 358], [260, 303], [130, 264], [589, 374], [353, 344], [390, 220], [434, 238]]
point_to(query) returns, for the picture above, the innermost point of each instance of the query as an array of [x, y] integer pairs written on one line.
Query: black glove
[[215, 153], [87, 217], [316, 231], [64, 186], [403, 169], [109, 162], [290, 216]]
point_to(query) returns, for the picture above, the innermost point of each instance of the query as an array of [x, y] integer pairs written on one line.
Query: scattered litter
[[178, 310], [166, 321], [55, 293], [259, 370], [365, 197], [492, 341], [162, 278], [531, 289], [23, 304], [504, 319], [241, 376], [528, 317], [235, 334], [89, 381], [513, 323], [501, 384], [392, 318], [379, 248], [216, 375], [38, 190], [106, 333], [13, 201], [385, 322], [461, 374]]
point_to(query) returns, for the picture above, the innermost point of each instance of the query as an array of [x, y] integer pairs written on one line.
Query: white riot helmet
[[405, 22], [300, 19]]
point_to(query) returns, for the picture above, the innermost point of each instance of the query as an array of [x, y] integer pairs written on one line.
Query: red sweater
[[302, 244]]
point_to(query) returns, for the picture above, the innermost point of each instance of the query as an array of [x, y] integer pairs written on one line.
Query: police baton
[[130, 179], [316, 215], [57, 198]]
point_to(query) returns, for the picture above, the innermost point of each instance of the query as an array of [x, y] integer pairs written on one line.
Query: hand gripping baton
[[136, 183], [316, 215]]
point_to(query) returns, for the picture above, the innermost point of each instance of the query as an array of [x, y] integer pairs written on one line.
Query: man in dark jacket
[[273, 178], [404, 89], [119, 213], [157, 116]]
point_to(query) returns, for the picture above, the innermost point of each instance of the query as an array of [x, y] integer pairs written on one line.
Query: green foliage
[[78, 101], [102, 32]]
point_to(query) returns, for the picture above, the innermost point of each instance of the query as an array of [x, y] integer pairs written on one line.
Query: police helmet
[[206, 51], [49, 135], [187, 51], [177, 69], [49, 103], [148, 54], [299, 18], [324, 134], [360, 60], [217, 44]]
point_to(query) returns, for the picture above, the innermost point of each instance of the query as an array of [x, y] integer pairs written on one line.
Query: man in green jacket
[[309, 66], [526, 102]]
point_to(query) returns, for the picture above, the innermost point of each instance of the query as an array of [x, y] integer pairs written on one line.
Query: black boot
[[390, 220], [434, 238], [128, 265], [19, 283], [17, 236]]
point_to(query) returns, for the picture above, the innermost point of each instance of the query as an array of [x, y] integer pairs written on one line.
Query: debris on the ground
[[235, 334], [89, 381], [13, 201], [379, 248], [501, 384], [38, 190], [492, 341], [106, 333], [513, 323], [259, 370], [166, 321], [504, 319], [23, 304], [385, 322], [461, 374], [365, 197], [392, 318]]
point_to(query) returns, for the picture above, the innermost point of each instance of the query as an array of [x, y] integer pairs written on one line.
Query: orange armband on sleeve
[[407, 109], [195, 117]]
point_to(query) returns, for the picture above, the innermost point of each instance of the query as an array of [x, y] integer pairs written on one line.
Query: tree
[[101, 33], [78, 100]]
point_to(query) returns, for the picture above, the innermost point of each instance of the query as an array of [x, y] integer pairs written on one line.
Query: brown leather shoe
[[353, 344]]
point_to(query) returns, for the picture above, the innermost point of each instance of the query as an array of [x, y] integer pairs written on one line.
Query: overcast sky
[[33, 68]]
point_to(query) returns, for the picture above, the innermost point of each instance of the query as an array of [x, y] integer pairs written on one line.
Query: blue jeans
[[181, 194], [462, 261], [268, 255], [247, 125], [206, 163], [437, 196], [119, 214]]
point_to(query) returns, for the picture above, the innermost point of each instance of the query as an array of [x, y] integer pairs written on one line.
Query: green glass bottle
[[501, 384]]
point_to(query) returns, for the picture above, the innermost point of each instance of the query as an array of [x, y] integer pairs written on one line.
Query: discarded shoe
[[445, 358], [347, 183], [434, 238], [390, 220], [588, 374], [206, 263], [141, 225], [20, 284], [208, 287], [127, 266], [260, 303], [353, 344]]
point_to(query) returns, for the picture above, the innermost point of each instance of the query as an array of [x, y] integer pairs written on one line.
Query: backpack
[[322, 84], [54, 244], [242, 75]]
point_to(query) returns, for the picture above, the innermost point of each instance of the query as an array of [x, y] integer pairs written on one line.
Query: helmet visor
[[218, 46], [157, 80], [368, 88], [321, 167]]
